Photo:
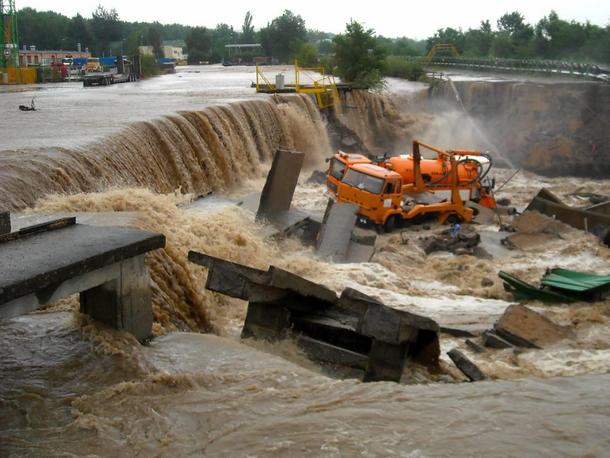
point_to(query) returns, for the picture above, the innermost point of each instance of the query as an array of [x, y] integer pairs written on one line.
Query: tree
[[520, 33], [247, 30], [105, 27], [358, 56], [307, 55], [283, 36], [154, 38], [447, 35], [198, 42], [222, 35], [78, 32]]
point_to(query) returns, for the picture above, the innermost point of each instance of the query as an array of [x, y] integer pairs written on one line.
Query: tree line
[[286, 37], [550, 38]]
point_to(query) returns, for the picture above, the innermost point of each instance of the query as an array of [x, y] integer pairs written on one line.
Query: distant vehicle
[[93, 65]]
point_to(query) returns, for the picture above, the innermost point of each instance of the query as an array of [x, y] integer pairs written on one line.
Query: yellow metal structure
[[320, 84], [312, 80], [441, 48]]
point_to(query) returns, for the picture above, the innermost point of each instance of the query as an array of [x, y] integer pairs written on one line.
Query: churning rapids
[[71, 387]]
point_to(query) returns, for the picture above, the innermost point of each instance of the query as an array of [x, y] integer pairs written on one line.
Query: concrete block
[[386, 362], [596, 223], [323, 351], [492, 340], [281, 182], [266, 321], [123, 303], [5, 222], [468, 368], [336, 232], [523, 327]]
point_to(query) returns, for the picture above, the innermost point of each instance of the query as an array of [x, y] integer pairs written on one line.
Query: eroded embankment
[[551, 128]]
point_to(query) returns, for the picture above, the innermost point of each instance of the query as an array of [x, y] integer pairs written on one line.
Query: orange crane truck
[[387, 199]]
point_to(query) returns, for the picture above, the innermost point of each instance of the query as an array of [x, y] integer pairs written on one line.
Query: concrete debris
[[483, 215], [47, 262], [464, 330], [339, 239], [597, 223], [280, 185], [468, 368], [5, 222], [492, 340], [336, 233], [523, 327], [474, 346], [317, 177], [354, 330], [463, 242], [532, 229], [602, 207]]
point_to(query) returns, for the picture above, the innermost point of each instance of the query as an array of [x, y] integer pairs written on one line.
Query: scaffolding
[[307, 80], [8, 32]]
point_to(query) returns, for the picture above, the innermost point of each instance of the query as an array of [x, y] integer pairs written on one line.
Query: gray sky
[[416, 19]]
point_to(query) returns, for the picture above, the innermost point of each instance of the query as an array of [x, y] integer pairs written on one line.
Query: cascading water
[[194, 151], [475, 126]]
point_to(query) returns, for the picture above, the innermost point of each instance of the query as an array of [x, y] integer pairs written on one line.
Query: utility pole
[[9, 41]]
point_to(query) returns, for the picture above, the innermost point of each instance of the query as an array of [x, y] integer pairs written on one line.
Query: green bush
[[149, 66], [399, 67]]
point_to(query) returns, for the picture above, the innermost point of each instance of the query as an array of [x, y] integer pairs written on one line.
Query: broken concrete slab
[[5, 222], [281, 181], [492, 340], [44, 263], [295, 222], [603, 207], [336, 232], [465, 330], [524, 327], [474, 346], [483, 215], [596, 223], [468, 368], [104, 219], [346, 330]]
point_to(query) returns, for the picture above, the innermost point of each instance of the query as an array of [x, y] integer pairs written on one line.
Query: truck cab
[[377, 191]]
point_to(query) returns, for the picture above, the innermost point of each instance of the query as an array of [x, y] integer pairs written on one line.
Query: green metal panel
[[9, 41], [570, 280], [524, 291]]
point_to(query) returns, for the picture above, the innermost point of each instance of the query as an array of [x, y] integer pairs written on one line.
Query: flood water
[[71, 387]]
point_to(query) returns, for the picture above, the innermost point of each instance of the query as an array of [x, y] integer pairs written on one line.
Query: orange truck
[[402, 189]]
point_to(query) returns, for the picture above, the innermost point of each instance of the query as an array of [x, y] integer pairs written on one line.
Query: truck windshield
[[363, 181], [337, 168]]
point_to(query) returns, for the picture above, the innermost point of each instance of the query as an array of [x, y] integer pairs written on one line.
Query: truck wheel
[[390, 223], [453, 219]]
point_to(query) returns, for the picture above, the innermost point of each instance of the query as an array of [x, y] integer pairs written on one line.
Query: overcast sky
[[415, 19]]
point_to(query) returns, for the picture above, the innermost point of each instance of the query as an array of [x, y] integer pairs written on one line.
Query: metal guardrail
[[581, 70]]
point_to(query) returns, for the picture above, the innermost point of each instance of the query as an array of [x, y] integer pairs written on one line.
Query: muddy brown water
[[71, 387]]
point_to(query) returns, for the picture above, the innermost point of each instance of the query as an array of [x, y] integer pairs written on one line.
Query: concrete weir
[[50, 261]]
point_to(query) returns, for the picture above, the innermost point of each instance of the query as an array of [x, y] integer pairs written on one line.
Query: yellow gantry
[[307, 80]]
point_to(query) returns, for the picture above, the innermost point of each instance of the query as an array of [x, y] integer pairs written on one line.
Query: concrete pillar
[[5, 222], [386, 361], [124, 303], [266, 321]]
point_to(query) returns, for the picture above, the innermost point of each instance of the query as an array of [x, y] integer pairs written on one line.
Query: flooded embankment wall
[[550, 128]]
